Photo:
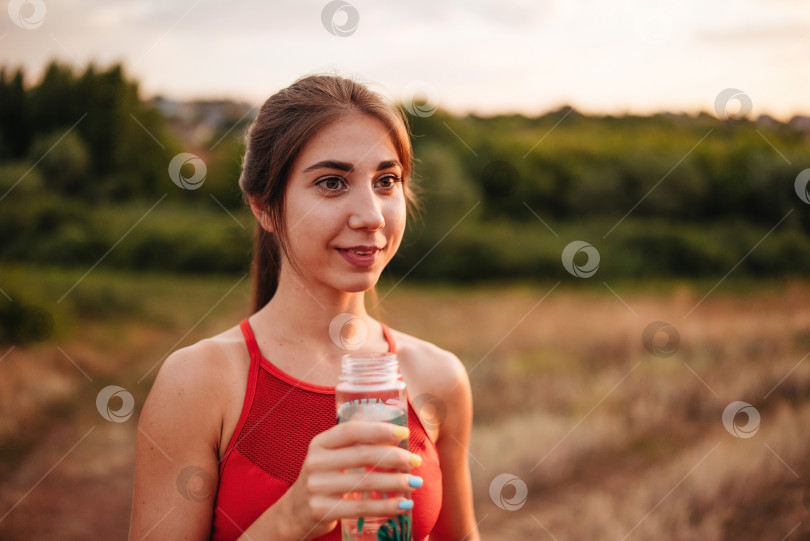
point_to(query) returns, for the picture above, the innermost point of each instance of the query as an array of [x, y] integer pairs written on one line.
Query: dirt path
[[76, 485]]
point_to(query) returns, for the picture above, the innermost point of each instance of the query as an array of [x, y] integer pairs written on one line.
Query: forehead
[[354, 138]]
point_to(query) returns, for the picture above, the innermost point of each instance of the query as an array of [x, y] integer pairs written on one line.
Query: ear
[[261, 214]]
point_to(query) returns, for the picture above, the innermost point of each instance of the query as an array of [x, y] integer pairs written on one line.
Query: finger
[[385, 457], [352, 432], [392, 484], [333, 507]]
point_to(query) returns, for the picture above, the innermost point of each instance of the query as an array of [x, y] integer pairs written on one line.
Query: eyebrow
[[347, 167]]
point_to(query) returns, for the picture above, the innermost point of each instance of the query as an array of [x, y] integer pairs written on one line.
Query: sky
[[487, 57]]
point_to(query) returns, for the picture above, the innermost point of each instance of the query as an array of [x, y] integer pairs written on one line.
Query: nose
[[366, 210]]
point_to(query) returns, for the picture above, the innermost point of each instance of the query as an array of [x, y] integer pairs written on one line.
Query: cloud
[[480, 55], [758, 33]]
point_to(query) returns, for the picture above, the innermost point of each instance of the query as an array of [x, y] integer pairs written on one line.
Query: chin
[[359, 284], [359, 288]]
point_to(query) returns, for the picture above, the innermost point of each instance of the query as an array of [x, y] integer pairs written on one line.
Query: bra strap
[[389, 337], [250, 339], [250, 390]]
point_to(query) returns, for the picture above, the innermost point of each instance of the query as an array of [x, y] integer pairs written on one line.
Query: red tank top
[[280, 416]]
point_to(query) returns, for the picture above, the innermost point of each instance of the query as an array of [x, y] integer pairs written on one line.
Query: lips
[[360, 256]]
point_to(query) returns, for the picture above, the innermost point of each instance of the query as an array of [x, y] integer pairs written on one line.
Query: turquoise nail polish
[[415, 481], [406, 504]]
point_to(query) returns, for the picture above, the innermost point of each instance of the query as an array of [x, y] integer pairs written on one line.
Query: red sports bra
[[280, 416]]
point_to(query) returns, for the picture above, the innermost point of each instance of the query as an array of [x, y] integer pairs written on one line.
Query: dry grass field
[[610, 440]]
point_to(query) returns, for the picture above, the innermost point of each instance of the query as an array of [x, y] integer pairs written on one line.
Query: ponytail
[[265, 266]]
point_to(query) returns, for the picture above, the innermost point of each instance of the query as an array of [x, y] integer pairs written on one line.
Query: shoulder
[[196, 384], [205, 364], [437, 379], [425, 358], [179, 431]]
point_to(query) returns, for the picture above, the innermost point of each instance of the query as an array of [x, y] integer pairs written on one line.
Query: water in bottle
[[370, 388]]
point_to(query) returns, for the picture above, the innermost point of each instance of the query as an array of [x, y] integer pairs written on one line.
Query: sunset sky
[[463, 55]]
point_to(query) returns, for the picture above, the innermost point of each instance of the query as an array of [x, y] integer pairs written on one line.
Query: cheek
[[303, 238], [395, 217], [308, 220]]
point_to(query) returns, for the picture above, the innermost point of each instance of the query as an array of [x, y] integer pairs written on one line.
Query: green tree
[[15, 128]]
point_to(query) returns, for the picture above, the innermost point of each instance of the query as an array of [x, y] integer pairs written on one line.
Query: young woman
[[238, 437]]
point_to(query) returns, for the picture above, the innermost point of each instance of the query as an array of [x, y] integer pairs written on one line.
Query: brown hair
[[284, 125]]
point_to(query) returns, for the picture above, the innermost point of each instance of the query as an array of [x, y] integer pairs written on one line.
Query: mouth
[[363, 256], [361, 250]]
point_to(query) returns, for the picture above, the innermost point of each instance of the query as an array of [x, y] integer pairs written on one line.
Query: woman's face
[[344, 207]]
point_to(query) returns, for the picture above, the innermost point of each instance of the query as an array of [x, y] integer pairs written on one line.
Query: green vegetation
[[645, 191], [84, 178]]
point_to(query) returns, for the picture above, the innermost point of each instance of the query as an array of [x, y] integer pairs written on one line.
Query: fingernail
[[406, 504], [416, 460], [401, 432], [415, 481]]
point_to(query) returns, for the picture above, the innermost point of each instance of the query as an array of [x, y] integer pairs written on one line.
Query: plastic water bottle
[[370, 388]]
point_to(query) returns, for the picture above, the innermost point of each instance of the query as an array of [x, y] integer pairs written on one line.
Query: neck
[[305, 314]]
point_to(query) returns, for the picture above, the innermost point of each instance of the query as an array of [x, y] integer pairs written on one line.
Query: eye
[[331, 184], [388, 182]]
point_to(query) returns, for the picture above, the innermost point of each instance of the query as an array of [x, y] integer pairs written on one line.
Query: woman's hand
[[315, 502]]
